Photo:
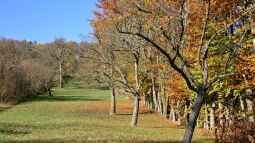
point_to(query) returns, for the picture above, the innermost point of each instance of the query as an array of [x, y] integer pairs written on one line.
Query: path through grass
[[81, 115]]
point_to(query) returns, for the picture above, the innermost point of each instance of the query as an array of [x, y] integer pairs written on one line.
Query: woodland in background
[[28, 68]]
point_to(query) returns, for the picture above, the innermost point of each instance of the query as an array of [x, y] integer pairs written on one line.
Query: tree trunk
[[60, 75], [151, 106], [185, 115], [165, 105], [250, 110], [206, 124], [221, 114], [172, 116], [135, 111], [242, 107], [49, 91], [227, 115], [178, 115], [193, 118], [113, 102], [136, 96], [212, 118], [160, 110], [154, 95]]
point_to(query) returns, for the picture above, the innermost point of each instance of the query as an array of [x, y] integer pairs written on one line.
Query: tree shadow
[[203, 141], [4, 108], [15, 129], [85, 141], [60, 98], [128, 114], [97, 141], [123, 114]]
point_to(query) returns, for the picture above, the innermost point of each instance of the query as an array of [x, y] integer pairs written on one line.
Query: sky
[[45, 20]]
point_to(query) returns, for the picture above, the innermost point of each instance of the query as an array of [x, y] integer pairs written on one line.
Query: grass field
[[81, 115]]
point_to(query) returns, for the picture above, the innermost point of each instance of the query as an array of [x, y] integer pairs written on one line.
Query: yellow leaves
[[147, 2]]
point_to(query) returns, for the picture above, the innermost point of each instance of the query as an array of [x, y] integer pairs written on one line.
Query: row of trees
[[28, 69], [182, 58]]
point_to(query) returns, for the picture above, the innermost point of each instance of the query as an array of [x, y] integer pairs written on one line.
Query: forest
[[187, 66]]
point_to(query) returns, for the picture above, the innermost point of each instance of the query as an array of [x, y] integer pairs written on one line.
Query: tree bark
[[113, 102], [61, 75], [206, 124], [135, 111], [242, 106], [250, 110], [136, 96], [193, 118], [221, 114], [165, 105], [160, 110], [154, 94], [212, 119], [172, 116], [49, 91], [178, 115]]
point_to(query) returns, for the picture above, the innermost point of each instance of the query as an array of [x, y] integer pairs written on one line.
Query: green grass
[[81, 115]]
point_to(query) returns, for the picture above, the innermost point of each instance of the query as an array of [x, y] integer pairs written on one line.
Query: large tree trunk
[[136, 97], [135, 111], [113, 102], [60, 75], [193, 118]]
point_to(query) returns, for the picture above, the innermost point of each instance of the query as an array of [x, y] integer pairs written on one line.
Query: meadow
[[82, 115]]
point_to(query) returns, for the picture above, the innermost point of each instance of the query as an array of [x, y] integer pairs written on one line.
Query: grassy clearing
[[77, 116]]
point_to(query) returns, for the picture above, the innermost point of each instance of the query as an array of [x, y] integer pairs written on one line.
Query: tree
[[60, 52], [187, 34], [120, 56]]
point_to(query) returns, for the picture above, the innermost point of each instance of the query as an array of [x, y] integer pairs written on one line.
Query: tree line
[[191, 61], [29, 68]]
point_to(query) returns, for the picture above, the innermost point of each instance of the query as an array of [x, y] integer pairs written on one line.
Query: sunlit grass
[[81, 115]]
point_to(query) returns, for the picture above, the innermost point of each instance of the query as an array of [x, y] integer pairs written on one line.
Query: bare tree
[[60, 52]]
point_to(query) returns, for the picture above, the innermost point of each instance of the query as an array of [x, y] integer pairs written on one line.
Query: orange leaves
[[245, 66], [176, 88], [107, 4], [157, 66]]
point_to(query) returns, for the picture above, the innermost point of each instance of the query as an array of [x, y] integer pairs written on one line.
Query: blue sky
[[45, 20]]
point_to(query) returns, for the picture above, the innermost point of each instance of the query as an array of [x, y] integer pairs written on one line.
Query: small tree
[[60, 52]]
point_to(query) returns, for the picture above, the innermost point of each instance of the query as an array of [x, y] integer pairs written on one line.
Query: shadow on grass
[[127, 114], [60, 98], [4, 108], [99, 141], [15, 129]]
